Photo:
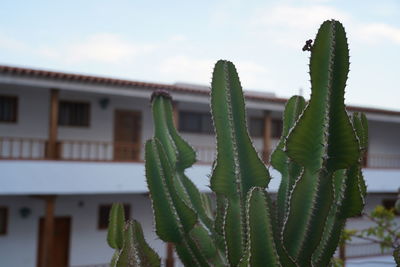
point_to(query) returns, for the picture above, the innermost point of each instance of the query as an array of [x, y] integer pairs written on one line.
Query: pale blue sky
[[179, 41]]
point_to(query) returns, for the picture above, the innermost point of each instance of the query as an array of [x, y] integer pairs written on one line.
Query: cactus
[[319, 158]]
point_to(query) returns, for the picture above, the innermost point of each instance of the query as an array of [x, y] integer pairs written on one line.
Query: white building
[[70, 145]]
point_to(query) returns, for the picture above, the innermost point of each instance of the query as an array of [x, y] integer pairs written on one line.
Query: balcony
[[13, 148]]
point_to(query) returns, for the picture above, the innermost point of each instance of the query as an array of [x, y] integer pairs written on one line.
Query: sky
[[180, 41]]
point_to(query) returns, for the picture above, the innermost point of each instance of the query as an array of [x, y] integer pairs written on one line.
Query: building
[[70, 145]]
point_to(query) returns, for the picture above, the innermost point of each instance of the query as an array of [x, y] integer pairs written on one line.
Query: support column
[[267, 136], [175, 114], [169, 261], [342, 252], [51, 152], [48, 232]]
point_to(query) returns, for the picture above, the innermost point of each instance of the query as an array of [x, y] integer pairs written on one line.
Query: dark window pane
[[206, 124], [190, 122], [8, 108], [195, 122], [104, 213], [256, 127], [276, 128], [3, 220], [73, 113], [389, 204]]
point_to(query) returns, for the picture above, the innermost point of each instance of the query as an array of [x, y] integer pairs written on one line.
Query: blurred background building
[[71, 145]]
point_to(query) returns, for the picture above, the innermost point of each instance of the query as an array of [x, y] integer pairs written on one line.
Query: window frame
[[74, 102], [15, 109]]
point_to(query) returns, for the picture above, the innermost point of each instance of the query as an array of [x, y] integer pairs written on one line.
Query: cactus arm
[[178, 150], [349, 202], [349, 197], [237, 167], [180, 153], [360, 125], [333, 226], [233, 232], [114, 258], [147, 255], [136, 252], [197, 200], [172, 216], [279, 160], [237, 162], [116, 226], [174, 219], [324, 131], [322, 141], [260, 236], [207, 246], [307, 214], [284, 258]]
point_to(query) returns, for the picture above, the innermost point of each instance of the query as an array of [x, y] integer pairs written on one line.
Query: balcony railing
[[73, 150]]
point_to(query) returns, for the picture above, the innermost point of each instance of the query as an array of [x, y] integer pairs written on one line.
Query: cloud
[[375, 33], [298, 17], [101, 48], [190, 69], [289, 25], [184, 68]]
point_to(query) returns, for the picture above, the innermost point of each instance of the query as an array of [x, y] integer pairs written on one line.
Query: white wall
[[102, 120], [33, 105], [87, 243]]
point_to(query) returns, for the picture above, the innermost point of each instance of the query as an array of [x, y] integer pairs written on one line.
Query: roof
[[63, 76]]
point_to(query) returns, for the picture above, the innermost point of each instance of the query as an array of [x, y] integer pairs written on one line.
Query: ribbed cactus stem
[[319, 157]]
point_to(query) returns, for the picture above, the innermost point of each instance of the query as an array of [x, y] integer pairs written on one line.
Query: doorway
[[60, 250], [127, 131]]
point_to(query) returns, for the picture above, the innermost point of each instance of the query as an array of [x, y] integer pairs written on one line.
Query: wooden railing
[[22, 148], [389, 161], [86, 150], [75, 150]]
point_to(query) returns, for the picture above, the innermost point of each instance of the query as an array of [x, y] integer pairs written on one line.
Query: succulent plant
[[319, 157]]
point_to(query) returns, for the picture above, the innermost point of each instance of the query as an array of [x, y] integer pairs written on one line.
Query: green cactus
[[319, 158]]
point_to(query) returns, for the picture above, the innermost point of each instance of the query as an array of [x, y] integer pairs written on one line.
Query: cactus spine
[[319, 158]]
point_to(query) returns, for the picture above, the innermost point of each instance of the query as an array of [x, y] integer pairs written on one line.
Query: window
[[256, 127], [3, 220], [277, 126], [73, 114], [104, 211], [195, 122], [8, 108], [389, 204]]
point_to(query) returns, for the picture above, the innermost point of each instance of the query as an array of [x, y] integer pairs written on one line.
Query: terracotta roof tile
[[146, 85]]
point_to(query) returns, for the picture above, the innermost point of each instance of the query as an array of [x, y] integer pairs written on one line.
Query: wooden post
[[48, 234], [267, 136], [342, 252], [175, 114], [169, 261], [51, 152]]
